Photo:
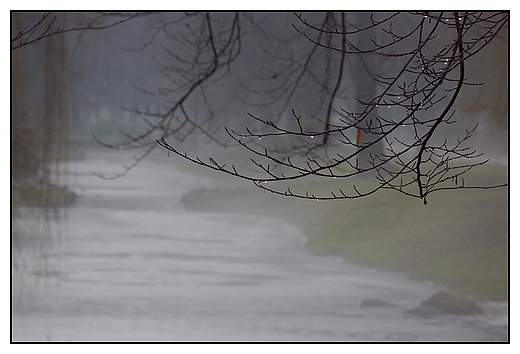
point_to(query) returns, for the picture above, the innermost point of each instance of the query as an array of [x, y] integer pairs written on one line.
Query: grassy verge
[[460, 239], [38, 196]]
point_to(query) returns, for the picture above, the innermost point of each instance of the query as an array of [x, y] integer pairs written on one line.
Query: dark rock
[[446, 303]]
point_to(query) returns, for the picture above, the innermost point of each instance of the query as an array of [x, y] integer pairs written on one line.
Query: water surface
[[135, 265]]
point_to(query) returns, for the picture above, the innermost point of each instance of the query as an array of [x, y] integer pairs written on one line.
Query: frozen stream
[[135, 265]]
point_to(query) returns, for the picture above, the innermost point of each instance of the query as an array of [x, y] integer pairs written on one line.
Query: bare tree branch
[[48, 26], [422, 90]]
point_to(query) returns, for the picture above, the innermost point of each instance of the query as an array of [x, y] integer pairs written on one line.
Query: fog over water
[[134, 265], [130, 262]]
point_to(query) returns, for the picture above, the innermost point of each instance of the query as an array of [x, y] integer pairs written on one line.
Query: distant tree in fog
[[328, 95]]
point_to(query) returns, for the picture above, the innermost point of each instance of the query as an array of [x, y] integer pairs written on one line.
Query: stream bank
[[459, 240]]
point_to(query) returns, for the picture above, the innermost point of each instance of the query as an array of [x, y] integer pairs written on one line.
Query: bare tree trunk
[[362, 70]]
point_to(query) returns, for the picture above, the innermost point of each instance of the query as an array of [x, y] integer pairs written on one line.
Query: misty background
[[82, 244]]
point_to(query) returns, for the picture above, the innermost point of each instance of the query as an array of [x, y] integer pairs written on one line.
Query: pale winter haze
[[325, 176]]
